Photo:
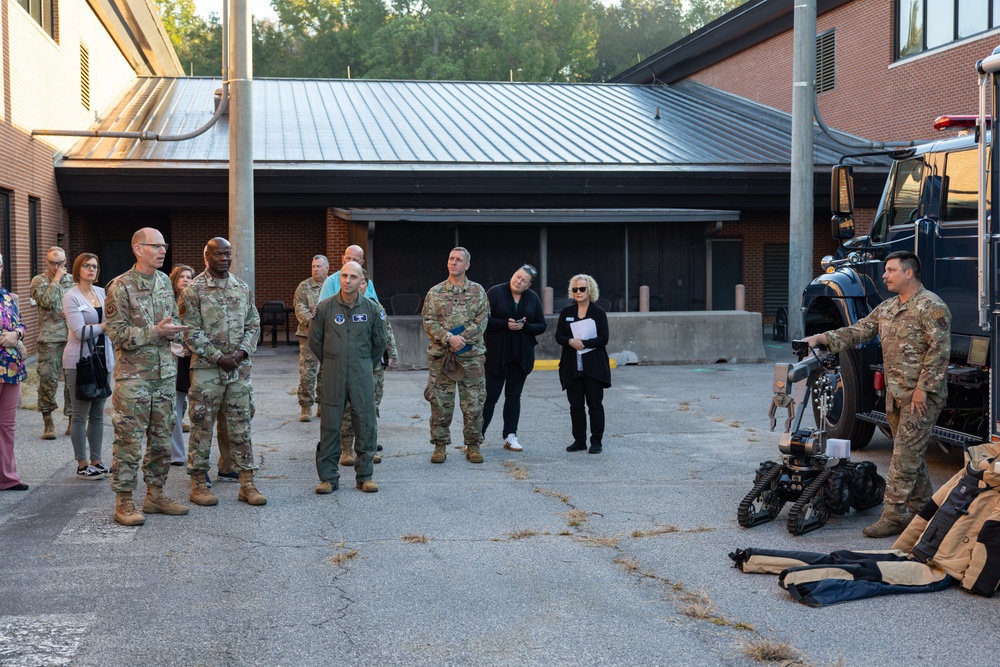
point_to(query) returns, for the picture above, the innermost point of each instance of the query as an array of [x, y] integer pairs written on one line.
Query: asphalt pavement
[[534, 558]]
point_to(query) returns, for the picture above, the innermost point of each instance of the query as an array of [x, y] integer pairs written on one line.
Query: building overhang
[[537, 216]]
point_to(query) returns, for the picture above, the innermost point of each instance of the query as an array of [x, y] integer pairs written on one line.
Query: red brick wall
[[336, 238], [874, 97]]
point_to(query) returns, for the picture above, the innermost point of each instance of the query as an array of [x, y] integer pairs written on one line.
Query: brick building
[[64, 62]]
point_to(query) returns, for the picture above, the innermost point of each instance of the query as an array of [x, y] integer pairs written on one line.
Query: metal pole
[[800, 233], [241, 209], [543, 257], [626, 267]]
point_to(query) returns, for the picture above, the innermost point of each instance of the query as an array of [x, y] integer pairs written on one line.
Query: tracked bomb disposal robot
[[818, 481]]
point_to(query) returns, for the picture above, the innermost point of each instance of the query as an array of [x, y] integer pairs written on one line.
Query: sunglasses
[[578, 289]]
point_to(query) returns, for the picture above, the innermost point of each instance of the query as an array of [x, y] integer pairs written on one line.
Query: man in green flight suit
[[348, 335]]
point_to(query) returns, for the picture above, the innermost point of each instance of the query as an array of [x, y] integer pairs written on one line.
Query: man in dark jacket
[[516, 318], [348, 335]]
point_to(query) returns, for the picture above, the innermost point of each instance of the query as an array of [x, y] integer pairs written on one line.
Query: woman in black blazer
[[516, 318], [584, 367]]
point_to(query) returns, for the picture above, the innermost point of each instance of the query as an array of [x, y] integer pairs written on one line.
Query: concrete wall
[[655, 338]]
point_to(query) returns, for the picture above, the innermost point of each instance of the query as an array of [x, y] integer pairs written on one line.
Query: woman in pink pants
[[12, 373]]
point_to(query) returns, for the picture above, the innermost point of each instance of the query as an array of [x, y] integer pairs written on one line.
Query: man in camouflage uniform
[[455, 314], [915, 331], [140, 311], [348, 334], [223, 328], [47, 292], [347, 439], [306, 298]]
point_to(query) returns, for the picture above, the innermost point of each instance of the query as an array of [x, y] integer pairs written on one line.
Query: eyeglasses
[[530, 270], [156, 246], [89, 266], [51, 263], [578, 289]]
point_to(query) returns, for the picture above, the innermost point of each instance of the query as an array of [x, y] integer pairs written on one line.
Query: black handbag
[[92, 375]]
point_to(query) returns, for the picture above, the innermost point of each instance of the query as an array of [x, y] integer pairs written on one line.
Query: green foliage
[[197, 42], [485, 40]]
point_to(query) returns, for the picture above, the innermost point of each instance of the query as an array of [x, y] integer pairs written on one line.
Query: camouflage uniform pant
[[208, 394], [471, 397], [347, 442], [907, 484], [49, 372], [310, 376], [142, 408]]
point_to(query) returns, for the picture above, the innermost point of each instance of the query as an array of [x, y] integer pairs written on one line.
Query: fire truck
[[935, 203]]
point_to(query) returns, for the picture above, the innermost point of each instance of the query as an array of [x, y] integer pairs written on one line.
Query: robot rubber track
[[810, 511], [763, 503]]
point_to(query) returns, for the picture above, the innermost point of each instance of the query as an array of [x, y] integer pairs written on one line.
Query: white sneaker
[[511, 443]]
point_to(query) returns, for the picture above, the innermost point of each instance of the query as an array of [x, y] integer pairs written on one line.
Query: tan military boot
[[440, 454], [319, 409], [473, 454], [376, 459], [346, 458], [248, 492], [157, 503], [368, 486], [200, 495], [306, 414], [125, 512], [892, 522], [50, 428]]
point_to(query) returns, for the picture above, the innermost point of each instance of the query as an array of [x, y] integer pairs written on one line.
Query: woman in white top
[[84, 308]]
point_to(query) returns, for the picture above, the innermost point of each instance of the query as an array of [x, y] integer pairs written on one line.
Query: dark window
[[775, 278], [927, 24], [42, 11], [5, 219], [34, 210], [84, 76], [825, 61], [962, 178]]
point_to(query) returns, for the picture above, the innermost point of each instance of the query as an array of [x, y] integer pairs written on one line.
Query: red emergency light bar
[[957, 122]]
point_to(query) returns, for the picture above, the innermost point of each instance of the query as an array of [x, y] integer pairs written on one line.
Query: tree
[[197, 42], [634, 30]]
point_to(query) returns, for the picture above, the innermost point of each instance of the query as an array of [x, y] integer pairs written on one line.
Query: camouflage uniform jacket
[[222, 318], [916, 343], [48, 296], [448, 307], [305, 300], [133, 306]]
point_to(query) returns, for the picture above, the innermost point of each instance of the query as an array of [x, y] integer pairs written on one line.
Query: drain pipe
[[153, 136]]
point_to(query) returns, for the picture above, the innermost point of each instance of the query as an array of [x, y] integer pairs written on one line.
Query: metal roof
[[536, 216], [427, 125]]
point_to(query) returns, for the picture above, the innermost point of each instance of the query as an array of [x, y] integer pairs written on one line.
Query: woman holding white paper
[[584, 367]]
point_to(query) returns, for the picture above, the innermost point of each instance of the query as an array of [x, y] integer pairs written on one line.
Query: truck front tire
[[842, 420]]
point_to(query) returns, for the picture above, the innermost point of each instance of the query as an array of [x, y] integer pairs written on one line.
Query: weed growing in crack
[[575, 518], [630, 565], [413, 538], [342, 557], [553, 494], [684, 406], [734, 424], [658, 530], [719, 419], [768, 651], [599, 541], [522, 534], [516, 471]]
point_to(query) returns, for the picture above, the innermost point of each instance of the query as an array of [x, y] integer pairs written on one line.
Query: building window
[[34, 210], [825, 61], [927, 24], [5, 245], [42, 11], [84, 76]]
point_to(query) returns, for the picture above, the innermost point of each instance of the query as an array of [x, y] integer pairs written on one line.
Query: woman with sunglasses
[[516, 318], [584, 367], [84, 308]]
